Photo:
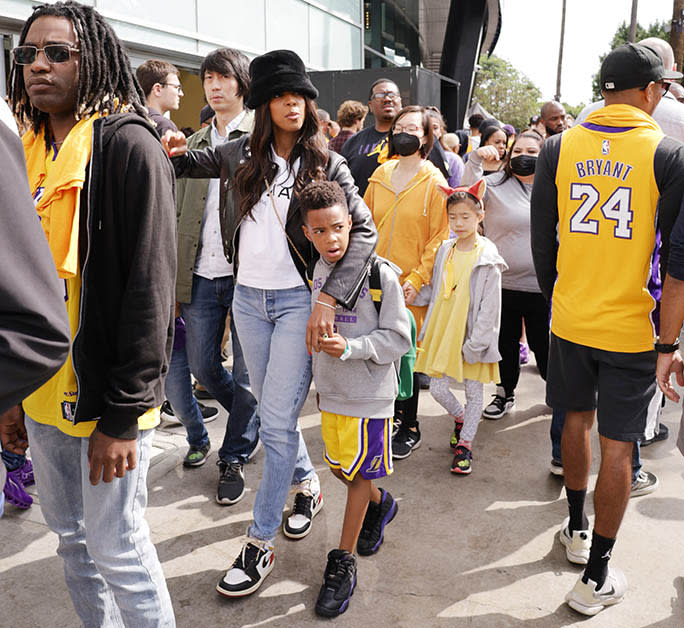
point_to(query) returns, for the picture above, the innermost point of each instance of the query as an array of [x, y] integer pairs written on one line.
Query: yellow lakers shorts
[[357, 445]]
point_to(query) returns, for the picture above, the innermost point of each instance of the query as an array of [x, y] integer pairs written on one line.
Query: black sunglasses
[[54, 53]]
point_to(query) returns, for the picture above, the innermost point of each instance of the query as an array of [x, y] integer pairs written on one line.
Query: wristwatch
[[663, 348]]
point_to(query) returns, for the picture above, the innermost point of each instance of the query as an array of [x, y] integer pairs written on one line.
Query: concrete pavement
[[479, 550]]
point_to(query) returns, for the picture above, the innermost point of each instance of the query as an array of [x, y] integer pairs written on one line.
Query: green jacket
[[191, 196]]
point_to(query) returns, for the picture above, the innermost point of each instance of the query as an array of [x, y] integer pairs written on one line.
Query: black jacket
[[127, 247], [34, 328], [346, 280]]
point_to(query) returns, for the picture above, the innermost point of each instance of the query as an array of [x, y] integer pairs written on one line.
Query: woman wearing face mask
[[507, 224], [409, 212]]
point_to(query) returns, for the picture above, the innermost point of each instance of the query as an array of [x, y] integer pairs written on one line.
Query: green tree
[[507, 94], [657, 29]]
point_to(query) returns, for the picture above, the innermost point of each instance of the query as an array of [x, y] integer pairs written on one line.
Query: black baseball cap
[[633, 65]]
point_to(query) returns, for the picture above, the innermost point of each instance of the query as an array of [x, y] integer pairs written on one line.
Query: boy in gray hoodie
[[356, 380]]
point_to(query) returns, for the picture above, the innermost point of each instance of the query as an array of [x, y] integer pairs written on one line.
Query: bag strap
[[375, 284], [282, 226]]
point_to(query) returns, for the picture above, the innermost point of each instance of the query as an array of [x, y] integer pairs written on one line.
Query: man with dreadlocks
[[104, 192]]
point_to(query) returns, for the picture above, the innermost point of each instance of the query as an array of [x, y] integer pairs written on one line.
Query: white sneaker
[[308, 502], [585, 599], [577, 545], [499, 406]]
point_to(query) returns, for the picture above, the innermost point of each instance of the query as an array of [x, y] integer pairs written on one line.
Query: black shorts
[[619, 385]]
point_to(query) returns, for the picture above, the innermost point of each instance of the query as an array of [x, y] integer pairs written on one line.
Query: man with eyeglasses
[[104, 193], [366, 150], [160, 80], [602, 191]]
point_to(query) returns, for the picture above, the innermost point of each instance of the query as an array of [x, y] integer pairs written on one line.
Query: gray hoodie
[[365, 384], [481, 342]]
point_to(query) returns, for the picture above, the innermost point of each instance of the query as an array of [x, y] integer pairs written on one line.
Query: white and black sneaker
[[307, 503], [404, 442], [209, 414], [249, 569], [499, 406]]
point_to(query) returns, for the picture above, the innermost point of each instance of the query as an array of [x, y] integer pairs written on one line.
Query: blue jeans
[[272, 327], [205, 319], [12, 461], [110, 564], [178, 390], [557, 423]]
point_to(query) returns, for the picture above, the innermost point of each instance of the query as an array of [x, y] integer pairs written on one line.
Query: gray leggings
[[439, 389]]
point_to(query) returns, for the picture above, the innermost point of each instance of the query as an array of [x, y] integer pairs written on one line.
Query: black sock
[[578, 520], [599, 555]]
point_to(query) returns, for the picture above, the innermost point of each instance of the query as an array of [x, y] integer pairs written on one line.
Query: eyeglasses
[[54, 53], [383, 95], [663, 85], [178, 87], [409, 128]]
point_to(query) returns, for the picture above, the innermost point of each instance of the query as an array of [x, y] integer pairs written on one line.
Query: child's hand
[[334, 346], [410, 293]]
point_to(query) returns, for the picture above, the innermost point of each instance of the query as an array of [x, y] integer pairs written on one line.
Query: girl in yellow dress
[[461, 330]]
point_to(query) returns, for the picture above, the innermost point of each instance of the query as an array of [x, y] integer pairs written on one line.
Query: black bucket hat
[[277, 72]]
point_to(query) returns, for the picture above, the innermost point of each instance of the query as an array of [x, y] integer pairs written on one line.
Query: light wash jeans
[[110, 565], [272, 329]]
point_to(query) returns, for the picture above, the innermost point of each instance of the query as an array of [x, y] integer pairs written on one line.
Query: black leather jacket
[[346, 280]]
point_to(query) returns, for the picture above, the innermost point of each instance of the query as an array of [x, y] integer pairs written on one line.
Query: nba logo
[[605, 147]]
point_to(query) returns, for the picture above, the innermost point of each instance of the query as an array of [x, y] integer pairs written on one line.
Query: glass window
[[242, 24], [177, 13], [287, 26], [349, 8], [334, 44]]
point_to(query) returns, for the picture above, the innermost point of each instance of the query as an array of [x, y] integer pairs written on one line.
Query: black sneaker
[[662, 434], [248, 571], [196, 456], [167, 413], [373, 528], [498, 407], [209, 413], [231, 484], [201, 393], [405, 441], [338, 585]]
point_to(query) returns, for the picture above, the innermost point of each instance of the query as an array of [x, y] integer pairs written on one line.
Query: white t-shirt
[[265, 260], [211, 260]]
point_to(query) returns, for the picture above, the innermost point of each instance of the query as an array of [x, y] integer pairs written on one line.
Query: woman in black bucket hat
[[261, 177]]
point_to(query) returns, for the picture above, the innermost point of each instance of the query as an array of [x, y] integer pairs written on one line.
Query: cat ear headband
[[475, 191]]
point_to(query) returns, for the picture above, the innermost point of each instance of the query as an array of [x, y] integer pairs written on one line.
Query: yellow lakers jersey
[[607, 198]]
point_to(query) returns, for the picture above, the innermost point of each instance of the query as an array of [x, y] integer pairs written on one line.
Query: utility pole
[[557, 97], [677, 32], [633, 23]]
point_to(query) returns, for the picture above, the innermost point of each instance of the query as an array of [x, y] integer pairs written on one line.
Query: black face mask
[[405, 144], [524, 165]]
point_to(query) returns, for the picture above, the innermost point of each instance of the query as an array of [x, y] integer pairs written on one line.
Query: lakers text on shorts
[[357, 445]]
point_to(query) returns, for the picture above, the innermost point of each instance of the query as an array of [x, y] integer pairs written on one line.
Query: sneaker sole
[[458, 471], [410, 451], [225, 501], [326, 612], [576, 605], [389, 518], [494, 417], [244, 592], [169, 419], [557, 471], [191, 465], [575, 559], [209, 419], [307, 530]]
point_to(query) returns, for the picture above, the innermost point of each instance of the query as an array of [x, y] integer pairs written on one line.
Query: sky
[[530, 36]]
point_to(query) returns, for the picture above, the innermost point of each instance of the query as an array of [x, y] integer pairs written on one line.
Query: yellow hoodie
[[412, 224]]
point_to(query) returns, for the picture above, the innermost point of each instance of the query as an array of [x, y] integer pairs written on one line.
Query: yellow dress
[[445, 333]]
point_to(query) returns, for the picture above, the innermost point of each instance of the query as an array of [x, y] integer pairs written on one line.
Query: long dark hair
[[106, 82], [310, 148], [508, 173]]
